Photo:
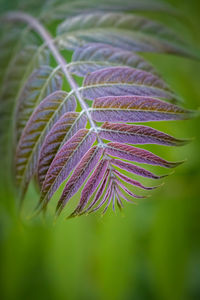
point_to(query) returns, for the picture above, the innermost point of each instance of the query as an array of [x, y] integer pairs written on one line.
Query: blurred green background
[[149, 251]]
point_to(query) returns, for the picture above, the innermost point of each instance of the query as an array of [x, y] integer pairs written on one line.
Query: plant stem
[[37, 26]]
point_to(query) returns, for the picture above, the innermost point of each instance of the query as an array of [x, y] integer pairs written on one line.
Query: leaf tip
[[176, 164], [184, 142]]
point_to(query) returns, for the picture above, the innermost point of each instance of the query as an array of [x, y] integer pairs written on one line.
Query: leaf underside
[[56, 138]]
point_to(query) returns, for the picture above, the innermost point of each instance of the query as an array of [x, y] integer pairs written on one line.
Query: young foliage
[[79, 129]]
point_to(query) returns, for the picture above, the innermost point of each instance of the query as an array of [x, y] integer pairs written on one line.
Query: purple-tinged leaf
[[113, 199], [119, 202], [138, 155], [41, 83], [122, 81], [119, 183], [135, 169], [32, 138], [105, 197], [133, 182], [99, 192], [82, 171], [65, 161], [93, 56], [91, 185], [111, 196], [136, 109], [119, 192], [137, 134], [62, 131]]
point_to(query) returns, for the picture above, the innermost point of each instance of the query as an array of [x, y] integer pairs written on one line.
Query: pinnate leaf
[[57, 141]]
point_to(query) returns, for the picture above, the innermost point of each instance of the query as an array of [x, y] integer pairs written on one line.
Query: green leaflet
[[126, 31]]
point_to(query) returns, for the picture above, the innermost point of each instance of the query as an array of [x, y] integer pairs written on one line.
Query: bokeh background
[[149, 251]]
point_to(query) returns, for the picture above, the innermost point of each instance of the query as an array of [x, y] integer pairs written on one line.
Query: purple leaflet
[[138, 155], [137, 134], [119, 183], [93, 56], [41, 83], [62, 131], [32, 138], [114, 198], [119, 192], [136, 109], [121, 81], [82, 171], [99, 191], [135, 169], [65, 161], [107, 194], [133, 182], [91, 185], [119, 202], [111, 196]]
